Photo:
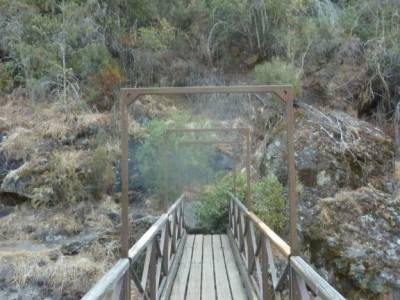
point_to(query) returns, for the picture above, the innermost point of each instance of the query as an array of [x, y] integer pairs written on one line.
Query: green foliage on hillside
[[87, 49], [278, 72], [268, 202]]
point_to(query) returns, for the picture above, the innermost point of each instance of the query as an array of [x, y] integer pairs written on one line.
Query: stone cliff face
[[348, 216], [355, 236]]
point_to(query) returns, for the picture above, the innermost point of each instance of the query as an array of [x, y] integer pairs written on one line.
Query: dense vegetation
[[62, 63], [84, 50], [268, 202]]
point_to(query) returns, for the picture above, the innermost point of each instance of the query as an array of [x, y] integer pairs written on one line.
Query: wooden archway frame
[[129, 95], [243, 131]]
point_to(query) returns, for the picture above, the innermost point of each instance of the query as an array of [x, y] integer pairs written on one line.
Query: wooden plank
[[317, 284], [291, 173], [194, 284], [176, 260], [221, 275], [181, 279], [108, 281], [236, 280], [208, 283]]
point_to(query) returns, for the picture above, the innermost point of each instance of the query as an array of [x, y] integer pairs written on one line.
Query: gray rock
[[347, 216]]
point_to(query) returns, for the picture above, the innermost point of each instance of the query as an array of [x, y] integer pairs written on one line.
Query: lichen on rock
[[348, 217]]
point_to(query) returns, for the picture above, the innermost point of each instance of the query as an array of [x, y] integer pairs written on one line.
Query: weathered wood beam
[[279, 90], [108, 281]]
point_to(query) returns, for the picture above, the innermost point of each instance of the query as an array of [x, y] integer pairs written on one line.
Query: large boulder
[[347, 216], [333, 151], [355, 235]]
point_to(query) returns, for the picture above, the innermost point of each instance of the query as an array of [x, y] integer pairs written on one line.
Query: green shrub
[[6, 79], [278, 72], [157, 38], [212, 212], [267, 200]]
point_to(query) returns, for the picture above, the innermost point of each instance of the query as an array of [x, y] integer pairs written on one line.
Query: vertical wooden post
[[234, 174], [125, 294], [248, 162], [288, 97], [291, 173], [265, 287], [169, 182], [165, 171]]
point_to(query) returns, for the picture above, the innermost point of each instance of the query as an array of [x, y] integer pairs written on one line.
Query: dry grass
[[26, 222], [29, 126], [75, 273], [19, 144]]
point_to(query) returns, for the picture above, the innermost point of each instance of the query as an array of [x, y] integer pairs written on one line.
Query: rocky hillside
[[62, 64], [59, 194], [348, 200]]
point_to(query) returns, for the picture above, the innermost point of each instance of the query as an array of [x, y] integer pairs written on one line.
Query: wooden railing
[[162, 247], [253, 242]]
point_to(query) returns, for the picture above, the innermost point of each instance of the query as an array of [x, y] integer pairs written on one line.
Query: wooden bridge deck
[[236, 266], [207, 270]]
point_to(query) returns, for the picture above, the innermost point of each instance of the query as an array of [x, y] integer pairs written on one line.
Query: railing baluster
[[160, 259], [282, 280], [146, 266], [165, 250], [153, 270], [235, 221], [257, 253], [250, 249], [266, 289], [174, 230], [260, 257], [230, 214], [300, 287], [182, 220], [241, 234]]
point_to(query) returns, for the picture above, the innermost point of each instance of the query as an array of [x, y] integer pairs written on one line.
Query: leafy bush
[[157, 38], [213, 209], [267, 200], [6, 78], [278, 72]]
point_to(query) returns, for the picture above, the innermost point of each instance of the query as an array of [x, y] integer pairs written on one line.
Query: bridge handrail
[[163, 244], [255, 253], [316, 283], [264, 229], [109, 281]]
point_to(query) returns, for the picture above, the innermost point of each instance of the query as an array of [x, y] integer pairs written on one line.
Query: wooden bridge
[[250, 261]]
